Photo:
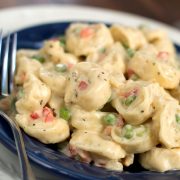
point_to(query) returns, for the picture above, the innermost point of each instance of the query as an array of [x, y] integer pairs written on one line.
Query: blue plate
[[47, 156]]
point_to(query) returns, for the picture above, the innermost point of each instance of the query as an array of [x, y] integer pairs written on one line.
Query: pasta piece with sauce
[[87, 81], [150, 65], [135, 139], [130, 37], [167, 119], [42, 125], [112, 59], [134, 101], [84, 120], [92, 142], [35, 96], [54, 52], [161, 159], [25, 68], [160, 40], [55, 79], [83, 39]]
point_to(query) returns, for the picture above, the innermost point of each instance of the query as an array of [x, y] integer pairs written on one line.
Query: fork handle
[[26, 171]]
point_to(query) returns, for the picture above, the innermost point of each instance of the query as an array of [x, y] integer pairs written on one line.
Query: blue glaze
[[47, 156]]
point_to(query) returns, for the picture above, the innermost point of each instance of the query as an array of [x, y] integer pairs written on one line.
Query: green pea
[[130, 52], [125, 45], [128, 134], [20, 93], [102, 50], [128, 127], [141, 131], [177, 118], [127, 101], [38, 58], [65, 113], [62, 41], [134, 77], [109, 119], [61, 68]]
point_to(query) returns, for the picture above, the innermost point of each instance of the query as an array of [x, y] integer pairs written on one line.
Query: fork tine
[[13, 61], [0, 41], [4, 82]]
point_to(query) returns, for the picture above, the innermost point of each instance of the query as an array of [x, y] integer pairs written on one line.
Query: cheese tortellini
[[91, 141], [112, 59], [168, 117], [87, 80], [135, 139], [134, 101], [46, 132], [104, 94], [83, 39], [161, 159], [152, 66], [35, 95], [128, 36]]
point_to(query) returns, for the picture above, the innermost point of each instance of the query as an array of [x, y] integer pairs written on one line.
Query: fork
[[7, 76]]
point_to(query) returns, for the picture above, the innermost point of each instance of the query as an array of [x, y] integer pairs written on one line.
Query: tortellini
[[135, 139], [85, 120], [167, 118], [92, 142], [86, 81], [129, 37], [134, 101], [53, 51], [112, 59], [56, 102], [150, 65], [35, 96], [55, 80], [83, 39], [55, 131], [25, 68], [106, 94], [160, 40], [161, 159]]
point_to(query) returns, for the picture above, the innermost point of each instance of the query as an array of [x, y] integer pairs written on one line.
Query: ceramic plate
[[32, 37]]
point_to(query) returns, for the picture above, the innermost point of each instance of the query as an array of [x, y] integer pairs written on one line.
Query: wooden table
[[167, 11]]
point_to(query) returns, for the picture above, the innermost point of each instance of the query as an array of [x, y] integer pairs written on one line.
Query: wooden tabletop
[[167, 11]]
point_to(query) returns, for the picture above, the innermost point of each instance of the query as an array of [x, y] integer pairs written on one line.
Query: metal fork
[[7, 76]]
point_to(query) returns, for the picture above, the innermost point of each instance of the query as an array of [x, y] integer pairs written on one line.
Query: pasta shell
[[161, 159]]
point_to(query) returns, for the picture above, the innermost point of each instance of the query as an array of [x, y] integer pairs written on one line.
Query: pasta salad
[[104, 94]]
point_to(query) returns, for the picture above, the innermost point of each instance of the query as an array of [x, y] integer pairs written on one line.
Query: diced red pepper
[[130, 72], [82, 85], [120, 122], [34, 115], [86, 32], [84, 155], [131, 93], [48, 114], [70, 65], [107, 131], [72, 150], [163, 55], [55, 39]]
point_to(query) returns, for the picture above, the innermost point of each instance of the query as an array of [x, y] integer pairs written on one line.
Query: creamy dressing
[[103, 91]]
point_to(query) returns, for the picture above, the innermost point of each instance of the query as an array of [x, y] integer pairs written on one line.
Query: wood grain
[[167, 11]]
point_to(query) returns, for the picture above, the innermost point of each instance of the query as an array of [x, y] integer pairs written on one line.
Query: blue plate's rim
[[10, 144]]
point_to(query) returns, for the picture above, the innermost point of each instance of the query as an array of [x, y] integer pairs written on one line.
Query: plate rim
[[43, 164], [103, 13]]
